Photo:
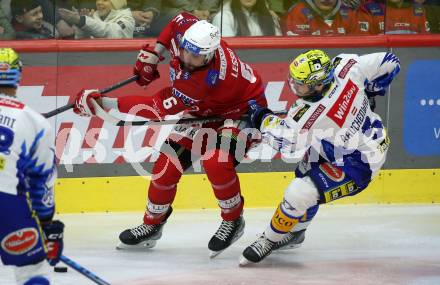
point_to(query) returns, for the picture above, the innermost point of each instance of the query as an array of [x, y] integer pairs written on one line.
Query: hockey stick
[[103, 91], [101, 113], [84, 271]]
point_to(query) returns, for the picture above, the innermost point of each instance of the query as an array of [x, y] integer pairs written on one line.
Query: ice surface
[[354, 244]]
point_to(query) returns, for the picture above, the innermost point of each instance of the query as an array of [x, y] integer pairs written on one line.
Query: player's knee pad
[[37, 280], [32, 273], [300, 195]]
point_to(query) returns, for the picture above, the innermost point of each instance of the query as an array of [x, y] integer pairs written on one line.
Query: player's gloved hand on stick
[[146, 65], [83, 104], [257, 114], [54, 233]]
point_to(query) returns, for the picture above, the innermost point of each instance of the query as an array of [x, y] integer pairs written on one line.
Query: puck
[[60, 269]]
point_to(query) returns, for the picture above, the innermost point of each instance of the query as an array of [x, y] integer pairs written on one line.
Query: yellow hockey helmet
[[312, 67], [10, 68]]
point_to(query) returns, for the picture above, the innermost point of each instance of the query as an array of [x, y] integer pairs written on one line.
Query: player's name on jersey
[[7, 121]]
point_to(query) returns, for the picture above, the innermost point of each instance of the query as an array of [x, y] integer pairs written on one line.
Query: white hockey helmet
[[201, 38]]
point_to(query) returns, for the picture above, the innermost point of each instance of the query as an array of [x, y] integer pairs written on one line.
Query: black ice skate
[[257, 251], [143, 236], [227, 234], [291, 240]]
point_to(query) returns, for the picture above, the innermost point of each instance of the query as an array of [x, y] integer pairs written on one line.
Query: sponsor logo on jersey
[[188, 101], [333, 91], [334, 173], [357, 122], [20, 241], [339, 111], [223, 63], [346, 68], [11, 103], [212, 77], [312, 119], [298, 115]]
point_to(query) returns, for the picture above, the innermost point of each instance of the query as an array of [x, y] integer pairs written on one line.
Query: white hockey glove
[[83, 104]]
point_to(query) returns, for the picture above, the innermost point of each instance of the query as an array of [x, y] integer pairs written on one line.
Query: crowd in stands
[[85, 19]]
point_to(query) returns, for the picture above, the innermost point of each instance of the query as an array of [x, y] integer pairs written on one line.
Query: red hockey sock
[[219, 167], [162, 189]]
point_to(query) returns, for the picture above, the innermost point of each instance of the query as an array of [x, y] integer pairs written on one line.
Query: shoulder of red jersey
[[175, 28], [226, 62]]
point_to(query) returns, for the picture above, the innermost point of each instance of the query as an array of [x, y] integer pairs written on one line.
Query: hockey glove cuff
[[83, 104]]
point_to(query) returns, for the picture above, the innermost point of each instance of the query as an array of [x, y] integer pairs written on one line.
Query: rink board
[[100, 194]]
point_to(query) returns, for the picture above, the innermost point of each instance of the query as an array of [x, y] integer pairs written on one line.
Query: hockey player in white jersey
[[331, 128], [28, 234]]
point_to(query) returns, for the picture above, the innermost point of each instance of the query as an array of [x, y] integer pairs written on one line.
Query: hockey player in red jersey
[[208, 79]]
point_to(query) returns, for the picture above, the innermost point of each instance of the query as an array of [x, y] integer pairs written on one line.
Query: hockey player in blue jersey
[[28, 233], [332, 129]]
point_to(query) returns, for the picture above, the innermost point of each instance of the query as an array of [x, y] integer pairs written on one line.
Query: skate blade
[[213, 254], [140, 246], [243, 261], [289, 247]]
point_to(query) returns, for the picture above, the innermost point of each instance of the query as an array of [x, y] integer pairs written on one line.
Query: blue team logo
[[190, 47], [6, 139], [421, 131]]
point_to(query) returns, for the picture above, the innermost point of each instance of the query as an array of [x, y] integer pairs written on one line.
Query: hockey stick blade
[[103, 91], [84, 271]]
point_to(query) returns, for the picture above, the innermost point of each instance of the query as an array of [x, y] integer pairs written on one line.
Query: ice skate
[[291, 240], [227, 234], [143, 236], [257, 251]]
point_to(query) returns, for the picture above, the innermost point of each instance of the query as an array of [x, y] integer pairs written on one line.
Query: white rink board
[[344, 245]]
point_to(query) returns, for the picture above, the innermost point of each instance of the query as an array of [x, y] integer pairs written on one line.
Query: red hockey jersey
[[221, 88]]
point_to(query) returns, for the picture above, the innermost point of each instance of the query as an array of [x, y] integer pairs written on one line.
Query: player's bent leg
[[299, 196], [33, 274], [296, 236], [161, 193], [220, 169]]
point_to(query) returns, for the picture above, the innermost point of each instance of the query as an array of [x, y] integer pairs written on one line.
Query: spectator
[[406, 17], [203, 9], [327, 17], [28, 21], [280, 7], [110, 20], [6, 30], [247, 18], [5, 5], [144, 12], [376, 8]]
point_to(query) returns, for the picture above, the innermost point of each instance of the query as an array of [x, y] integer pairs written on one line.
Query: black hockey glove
[[54, 233]]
